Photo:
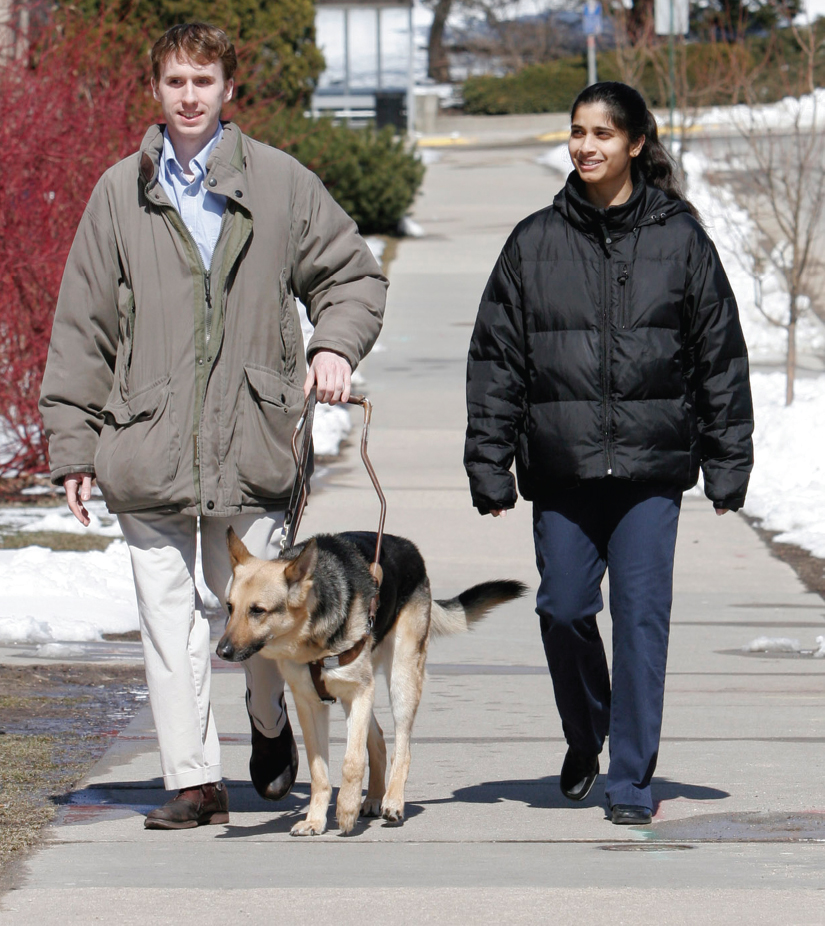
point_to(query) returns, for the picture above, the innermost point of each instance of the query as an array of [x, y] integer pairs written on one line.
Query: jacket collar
[[225, 167], [647, 204]]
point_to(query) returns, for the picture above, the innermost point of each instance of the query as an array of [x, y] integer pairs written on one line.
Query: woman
[[608, 359]]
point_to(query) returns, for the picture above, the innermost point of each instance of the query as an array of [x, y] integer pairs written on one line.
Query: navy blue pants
[[629, 529]]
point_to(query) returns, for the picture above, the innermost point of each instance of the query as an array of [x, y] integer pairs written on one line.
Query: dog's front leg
[[314, 717], [359, 715]]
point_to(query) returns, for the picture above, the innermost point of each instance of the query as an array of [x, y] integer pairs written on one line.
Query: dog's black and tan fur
[[314, 602]]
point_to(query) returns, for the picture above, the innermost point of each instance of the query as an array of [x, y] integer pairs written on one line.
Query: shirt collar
[[169, 158]]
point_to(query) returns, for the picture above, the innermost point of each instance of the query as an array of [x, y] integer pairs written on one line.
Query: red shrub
[[70, 106]]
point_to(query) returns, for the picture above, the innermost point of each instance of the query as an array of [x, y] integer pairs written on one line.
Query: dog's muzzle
[[226, 650]]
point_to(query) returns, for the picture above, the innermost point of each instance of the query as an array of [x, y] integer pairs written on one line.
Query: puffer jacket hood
[[608, 343], [647, 205]]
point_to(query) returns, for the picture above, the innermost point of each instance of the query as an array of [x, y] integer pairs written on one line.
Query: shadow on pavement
[[545, 793]]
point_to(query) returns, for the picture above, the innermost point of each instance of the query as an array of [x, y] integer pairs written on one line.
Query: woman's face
[[601, 153]]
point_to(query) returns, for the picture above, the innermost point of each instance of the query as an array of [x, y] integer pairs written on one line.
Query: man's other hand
[[78, 488], [331, 375]]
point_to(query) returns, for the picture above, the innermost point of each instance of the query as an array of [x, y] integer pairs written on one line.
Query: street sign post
[[591, 26]]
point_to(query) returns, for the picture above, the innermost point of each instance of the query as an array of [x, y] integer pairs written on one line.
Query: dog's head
[[269, 603]]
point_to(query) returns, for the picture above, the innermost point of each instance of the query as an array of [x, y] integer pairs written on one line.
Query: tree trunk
[[438, 65], [790, 361]]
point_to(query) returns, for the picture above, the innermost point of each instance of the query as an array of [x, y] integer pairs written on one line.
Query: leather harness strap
[[295, 510], [334, 662], [298, 497]]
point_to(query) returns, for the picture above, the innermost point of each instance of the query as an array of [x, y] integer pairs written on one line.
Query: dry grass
[[53, 718]]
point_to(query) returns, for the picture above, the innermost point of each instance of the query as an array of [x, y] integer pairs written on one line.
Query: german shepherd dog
[[313, 603]]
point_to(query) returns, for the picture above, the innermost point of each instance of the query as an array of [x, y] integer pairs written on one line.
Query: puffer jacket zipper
[[623, 278], [606, 411]]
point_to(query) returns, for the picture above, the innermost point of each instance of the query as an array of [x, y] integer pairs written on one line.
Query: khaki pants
[[175, 634]]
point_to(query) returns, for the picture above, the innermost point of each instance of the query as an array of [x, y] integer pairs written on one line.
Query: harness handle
[[298, 498]]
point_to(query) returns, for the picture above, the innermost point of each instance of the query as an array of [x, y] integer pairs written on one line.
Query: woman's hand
[[721, 510], [499, 513]]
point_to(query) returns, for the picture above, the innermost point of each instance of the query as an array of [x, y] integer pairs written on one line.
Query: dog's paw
[[392, 811], [346, 819], [371, 807], [308, 828]]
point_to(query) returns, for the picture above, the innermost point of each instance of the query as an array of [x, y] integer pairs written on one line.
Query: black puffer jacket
[[608, 343]]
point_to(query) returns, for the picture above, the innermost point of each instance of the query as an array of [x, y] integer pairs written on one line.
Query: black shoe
[[629, 815], [273, 765], [578, 775]]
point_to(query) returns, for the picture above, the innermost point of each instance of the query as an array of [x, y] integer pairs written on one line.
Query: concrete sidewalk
[[488, 837]]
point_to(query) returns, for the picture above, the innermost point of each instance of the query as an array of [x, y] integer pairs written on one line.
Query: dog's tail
[[457, 614]]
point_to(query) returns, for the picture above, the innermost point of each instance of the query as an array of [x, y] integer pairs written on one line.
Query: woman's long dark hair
[[629, 113]]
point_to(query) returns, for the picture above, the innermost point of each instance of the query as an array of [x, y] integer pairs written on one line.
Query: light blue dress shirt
[[200, 208]]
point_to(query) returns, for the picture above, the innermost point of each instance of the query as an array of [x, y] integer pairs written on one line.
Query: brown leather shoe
[[198, 806], [273, 765]]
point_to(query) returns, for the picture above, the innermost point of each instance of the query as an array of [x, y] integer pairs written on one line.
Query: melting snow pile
[[67, 597], [772, 645], [787, 488]]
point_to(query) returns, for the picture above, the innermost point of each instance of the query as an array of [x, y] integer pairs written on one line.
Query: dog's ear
[[238, 554], [302, 568]]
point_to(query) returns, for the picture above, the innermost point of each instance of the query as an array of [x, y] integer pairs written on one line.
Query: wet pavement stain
[[742, 827], [72, 815]]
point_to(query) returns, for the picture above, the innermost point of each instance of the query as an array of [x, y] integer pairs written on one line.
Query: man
[[176, 373]]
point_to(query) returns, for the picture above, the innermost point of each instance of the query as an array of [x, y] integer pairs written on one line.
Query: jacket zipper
[[207, 293], [606, 351], [207, 283], [623, 278]]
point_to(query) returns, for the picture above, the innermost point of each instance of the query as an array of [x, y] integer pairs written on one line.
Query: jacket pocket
[[138, 452], [271, 408]]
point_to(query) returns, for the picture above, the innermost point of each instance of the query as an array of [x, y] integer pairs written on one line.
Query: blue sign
[[592, 18]]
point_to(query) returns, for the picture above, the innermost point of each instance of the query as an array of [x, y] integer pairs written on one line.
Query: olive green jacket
[[177, 387]]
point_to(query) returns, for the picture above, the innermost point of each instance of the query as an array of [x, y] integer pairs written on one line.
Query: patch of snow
[[429, 156], [61, 520], [376, 245], [772, 645], [331, 423], [728, 224], [787, 487], [556, 158], [808, 110], [410, 228], [66, 597], [58, 651]]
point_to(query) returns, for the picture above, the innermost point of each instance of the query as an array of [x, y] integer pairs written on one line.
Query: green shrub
[[539, 88], [372, 175]]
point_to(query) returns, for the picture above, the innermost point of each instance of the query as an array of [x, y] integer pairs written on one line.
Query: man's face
[[191, 96]]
